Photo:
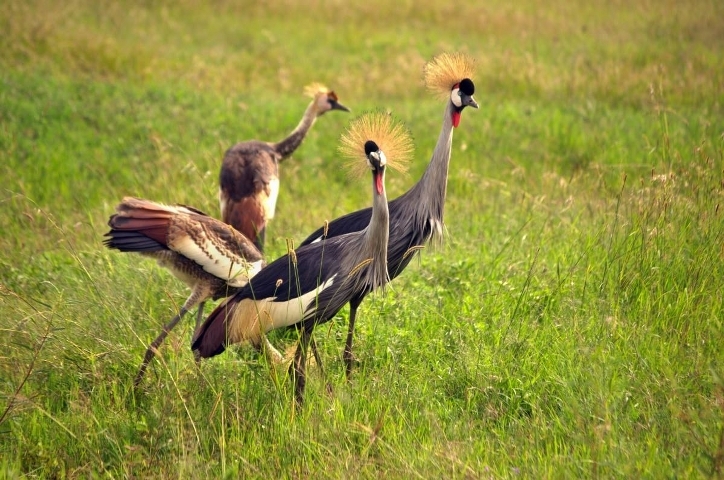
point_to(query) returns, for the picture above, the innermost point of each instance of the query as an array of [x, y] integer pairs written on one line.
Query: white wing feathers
[[215, 259]]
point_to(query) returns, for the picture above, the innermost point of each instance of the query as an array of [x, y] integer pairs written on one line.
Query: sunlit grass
[[571, 325]]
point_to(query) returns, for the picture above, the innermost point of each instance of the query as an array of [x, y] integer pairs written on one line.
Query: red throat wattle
[[378, 183], [456, 119]]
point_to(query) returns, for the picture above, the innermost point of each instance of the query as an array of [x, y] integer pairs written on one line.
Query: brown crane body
[[210, 257], [249, 176]]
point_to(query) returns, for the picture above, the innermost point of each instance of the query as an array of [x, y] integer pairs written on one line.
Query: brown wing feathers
[[231, 240], [143, 226], [139, 226]]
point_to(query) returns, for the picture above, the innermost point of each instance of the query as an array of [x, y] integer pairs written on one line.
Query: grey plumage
[[416, 217]]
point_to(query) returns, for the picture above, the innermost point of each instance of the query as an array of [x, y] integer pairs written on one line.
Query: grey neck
[[429, 193], [375, 240]]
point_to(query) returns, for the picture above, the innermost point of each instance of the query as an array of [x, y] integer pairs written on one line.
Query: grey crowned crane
[[416, 217], [212, 258], [309, 286], [249, 178]]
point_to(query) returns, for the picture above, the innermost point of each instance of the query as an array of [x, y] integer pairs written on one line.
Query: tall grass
[[571, 325]]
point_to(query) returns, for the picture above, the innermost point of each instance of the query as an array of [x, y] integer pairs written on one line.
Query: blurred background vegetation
[[570, 327]]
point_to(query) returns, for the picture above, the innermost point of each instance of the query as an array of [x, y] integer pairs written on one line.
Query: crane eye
[[456, 96]]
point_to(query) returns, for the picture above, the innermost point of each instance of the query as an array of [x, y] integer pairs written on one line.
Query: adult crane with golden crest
[[416, 217]]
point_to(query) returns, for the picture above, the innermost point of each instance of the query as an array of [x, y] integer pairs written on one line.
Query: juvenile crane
[[249, 178], [309, 286], [416, 217], [212, 258]]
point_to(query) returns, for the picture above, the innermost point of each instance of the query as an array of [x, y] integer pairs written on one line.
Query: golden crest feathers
[[314, 89], [447, 69], [390, 135]]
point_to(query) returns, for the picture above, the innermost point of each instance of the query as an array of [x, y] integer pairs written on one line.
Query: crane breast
[[268, 198], [436, 230]]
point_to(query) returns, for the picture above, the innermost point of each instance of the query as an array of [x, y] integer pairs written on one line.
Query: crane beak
[[469, 101], [338, 106]]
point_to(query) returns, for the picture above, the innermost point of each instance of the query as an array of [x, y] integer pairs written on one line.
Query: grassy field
[[571, 326]]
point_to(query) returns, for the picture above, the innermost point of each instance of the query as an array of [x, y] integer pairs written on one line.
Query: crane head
[[333, 102], [449, 75], [371, 134], [375, 156], [376, 160], [461, 96], [324, 99]]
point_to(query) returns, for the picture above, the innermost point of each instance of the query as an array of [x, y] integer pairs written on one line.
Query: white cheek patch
[[455, 97]]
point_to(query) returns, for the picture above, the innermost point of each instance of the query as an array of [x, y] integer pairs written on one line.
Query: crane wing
[[216, 247]]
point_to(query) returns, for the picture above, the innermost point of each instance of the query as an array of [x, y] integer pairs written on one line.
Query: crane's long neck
[[287, 146], [376, 237], [429, 193]]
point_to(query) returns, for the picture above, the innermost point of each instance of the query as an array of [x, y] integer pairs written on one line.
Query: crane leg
[[273, 356], [348, 356], [151, 351], [199, 316], [317, 357], [297, 369]]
